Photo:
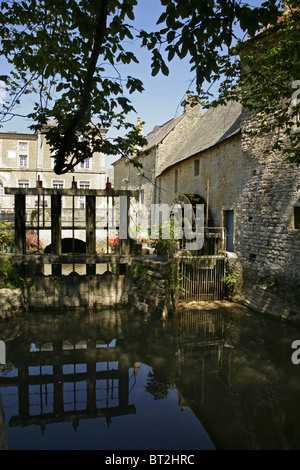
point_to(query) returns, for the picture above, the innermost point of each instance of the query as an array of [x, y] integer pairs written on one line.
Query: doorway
[[229, 226]]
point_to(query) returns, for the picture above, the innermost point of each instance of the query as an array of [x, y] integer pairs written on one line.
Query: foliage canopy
[[62, 51]]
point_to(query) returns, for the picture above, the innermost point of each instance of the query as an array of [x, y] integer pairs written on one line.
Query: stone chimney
[[191, 105], [138, 124]]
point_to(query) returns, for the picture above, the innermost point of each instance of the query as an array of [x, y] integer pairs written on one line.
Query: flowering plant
[[113, 243], [142, 240], [32, 242], [126, 180]]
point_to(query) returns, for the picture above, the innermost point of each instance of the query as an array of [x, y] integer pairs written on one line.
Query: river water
[[203, 379]]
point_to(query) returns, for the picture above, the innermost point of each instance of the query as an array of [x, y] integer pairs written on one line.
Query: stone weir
[[143, 282], [147, 285]]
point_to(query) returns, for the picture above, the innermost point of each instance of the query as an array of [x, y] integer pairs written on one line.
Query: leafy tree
[[60, 50], [269, 66], [262, 72]]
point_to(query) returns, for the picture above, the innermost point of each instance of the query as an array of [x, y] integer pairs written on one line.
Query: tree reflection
[[158, 384]]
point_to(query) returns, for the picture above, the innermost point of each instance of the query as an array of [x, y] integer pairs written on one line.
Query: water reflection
[[113, 380]]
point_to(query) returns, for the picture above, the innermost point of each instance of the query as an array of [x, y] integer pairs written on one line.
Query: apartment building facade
[[26, 158], [26, 161]]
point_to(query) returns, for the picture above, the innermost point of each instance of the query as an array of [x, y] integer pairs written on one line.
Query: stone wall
[[152, 161], [267, 242], [178, 135], [262, 188], [148, 286], [152, 285], [75, 291], [138, 179], [225, 166], [12, 302]]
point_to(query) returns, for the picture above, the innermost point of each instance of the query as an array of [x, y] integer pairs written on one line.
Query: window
[[23, 184], [142, 198], [23, 145], [176, 182], [297, 217], [83, 185], [23, 160], [196, 168], [58, 184], [159, 191], [85, 164]]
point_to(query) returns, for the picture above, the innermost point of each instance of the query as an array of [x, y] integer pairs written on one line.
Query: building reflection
[[83, 377], [60, 381]]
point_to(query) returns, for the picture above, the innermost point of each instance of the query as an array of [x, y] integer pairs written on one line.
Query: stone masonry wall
[[266, 241], [225, 166], [149, 286], [152, 286], [141, 181], [75, 291], [262, 189], [179, 134]]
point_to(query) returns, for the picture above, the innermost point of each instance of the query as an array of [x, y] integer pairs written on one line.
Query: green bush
[[7, 236], [9, 274], [166, 246]]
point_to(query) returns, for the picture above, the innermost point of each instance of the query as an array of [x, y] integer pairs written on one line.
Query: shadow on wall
[[67, 246]]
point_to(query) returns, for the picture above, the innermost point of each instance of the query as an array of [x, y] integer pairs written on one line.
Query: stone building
[[26, 158], [206, 163], [162, 141], [254, 195]]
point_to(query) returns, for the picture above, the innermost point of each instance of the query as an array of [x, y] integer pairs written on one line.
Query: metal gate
[[202, 278]]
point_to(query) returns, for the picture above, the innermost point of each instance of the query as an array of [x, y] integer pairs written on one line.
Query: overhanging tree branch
[[100, 30]]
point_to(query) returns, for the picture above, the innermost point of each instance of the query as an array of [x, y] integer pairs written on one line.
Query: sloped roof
[[160, 132], [213, 127], [157, 135]]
